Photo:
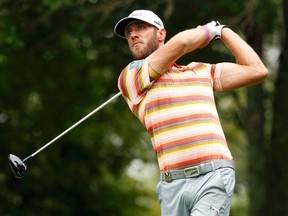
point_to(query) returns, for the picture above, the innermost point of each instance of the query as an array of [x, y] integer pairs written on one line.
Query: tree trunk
[[276, 197], [255, 128]]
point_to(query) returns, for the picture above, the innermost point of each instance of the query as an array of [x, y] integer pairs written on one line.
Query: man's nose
[[133, 33]]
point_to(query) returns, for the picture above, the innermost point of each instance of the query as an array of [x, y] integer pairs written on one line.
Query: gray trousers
[[205, 195]]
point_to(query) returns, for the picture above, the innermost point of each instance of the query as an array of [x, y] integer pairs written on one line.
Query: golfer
[[176, 105]]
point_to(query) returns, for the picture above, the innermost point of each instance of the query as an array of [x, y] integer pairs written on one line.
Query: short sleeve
[[216, 70], [134, 81]]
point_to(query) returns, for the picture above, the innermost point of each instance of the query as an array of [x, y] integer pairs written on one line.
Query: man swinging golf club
[[176, 105]]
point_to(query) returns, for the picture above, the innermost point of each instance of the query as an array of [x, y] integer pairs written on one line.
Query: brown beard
[[150, 48]]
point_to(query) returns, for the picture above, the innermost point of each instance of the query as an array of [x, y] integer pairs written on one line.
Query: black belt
[[195, 171]]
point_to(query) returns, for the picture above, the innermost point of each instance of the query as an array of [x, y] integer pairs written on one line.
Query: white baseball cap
[[143, 15]]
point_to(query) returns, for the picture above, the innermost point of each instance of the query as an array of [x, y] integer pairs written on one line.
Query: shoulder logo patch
[[136, 64]]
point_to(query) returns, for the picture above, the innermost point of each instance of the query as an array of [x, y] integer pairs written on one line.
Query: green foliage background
[[59, 60]]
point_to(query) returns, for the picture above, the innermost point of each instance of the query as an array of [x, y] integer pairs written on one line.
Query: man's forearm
[[243, 53], [187, 41]]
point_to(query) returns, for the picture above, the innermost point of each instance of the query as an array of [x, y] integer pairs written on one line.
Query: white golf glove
[[215, 30]]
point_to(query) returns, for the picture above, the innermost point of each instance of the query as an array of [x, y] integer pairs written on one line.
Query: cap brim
[[121, 26]]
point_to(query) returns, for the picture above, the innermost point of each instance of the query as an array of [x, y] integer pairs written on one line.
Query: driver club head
[[18, 167]]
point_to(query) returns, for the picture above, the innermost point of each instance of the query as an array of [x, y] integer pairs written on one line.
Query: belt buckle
[[191, 172], [168, 177]]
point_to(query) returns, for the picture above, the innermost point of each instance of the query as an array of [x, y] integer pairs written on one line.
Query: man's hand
[[213, 30]]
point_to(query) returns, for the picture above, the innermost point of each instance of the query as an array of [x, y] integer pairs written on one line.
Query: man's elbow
[[262, 72]]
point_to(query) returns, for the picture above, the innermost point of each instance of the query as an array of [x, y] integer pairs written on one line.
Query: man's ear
[[161, 35]]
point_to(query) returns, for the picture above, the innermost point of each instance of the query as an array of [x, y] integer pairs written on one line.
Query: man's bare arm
[[248, 69], [164, 57]]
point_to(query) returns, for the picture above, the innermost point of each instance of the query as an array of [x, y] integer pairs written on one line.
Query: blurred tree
[[255, 122], [55, 68], [58, 61], [276, 194]]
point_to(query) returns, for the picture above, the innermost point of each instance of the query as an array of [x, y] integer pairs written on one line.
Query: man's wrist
[[207, 33]]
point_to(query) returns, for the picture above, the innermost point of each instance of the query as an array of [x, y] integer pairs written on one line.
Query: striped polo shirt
[[178, 110]]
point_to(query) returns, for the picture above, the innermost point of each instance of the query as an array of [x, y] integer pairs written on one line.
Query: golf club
[[19, 167]]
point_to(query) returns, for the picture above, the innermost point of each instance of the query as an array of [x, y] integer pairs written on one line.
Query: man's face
[[142, 39]]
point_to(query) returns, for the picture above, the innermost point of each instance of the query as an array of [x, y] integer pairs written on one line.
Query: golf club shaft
[[74, 125]]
